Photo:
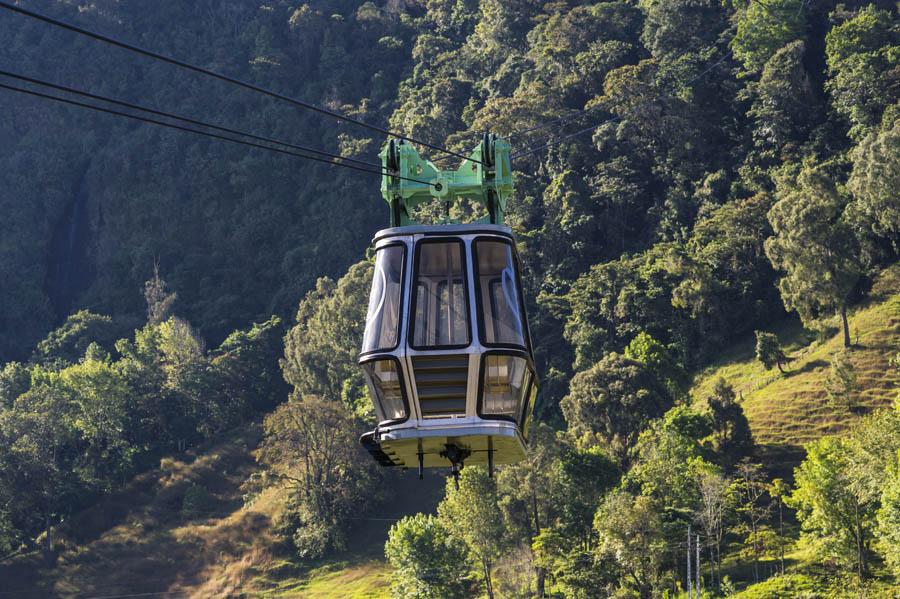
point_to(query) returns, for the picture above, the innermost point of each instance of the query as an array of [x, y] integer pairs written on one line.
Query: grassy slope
[[139, 541], [786, 411]]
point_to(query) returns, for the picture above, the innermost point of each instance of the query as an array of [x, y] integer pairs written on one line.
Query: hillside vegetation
[[706, 217], [157, 535], [787, 411]]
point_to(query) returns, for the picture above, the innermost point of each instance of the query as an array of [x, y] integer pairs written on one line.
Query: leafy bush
[[197, 502], [428, 561]]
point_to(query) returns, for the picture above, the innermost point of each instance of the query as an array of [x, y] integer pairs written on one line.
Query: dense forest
[[690, 174]]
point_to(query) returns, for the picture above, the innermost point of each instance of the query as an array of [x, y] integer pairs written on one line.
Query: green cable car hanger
[[485, 176]]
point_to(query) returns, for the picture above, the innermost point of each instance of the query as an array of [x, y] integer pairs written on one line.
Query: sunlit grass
[[364, 580], [786, 411]]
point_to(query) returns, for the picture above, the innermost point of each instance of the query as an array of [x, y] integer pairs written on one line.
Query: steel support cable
[[184, 119], [198, 132], [560, 121], [234, 81], [616, 118]]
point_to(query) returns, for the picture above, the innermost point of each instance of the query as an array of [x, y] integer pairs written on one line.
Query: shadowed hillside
[[149, 538]]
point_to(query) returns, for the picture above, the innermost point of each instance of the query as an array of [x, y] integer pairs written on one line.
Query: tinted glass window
[[502, 320], [504, 383], [441, 313], [383, 317], [387, 384]]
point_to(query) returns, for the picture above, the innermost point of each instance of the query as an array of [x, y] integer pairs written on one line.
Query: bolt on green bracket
[[485, 176]]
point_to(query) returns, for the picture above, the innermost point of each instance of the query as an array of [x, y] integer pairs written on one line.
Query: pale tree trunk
[[781, 532], [489, 587], [48, 536], [755, 552], [719, 562], [860, 545], [541, 575]]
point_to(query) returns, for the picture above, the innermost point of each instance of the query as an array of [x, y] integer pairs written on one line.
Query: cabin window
[[387, 385], [383, 317], [502, 321], [504, 384], [441, 301]]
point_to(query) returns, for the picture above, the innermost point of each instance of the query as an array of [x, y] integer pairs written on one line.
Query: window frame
[[479, 304], [529, 372], [401, 304], [528, 406], [411, 328], [402, 380]]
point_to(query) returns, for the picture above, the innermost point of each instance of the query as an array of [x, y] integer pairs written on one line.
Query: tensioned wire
[[232, 80], [203, 133], [124, 104]]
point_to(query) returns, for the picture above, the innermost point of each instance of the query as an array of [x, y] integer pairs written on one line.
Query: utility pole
[[689, 578], [698, 567]]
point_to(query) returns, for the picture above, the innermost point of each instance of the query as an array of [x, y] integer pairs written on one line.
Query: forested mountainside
[[694, 178], [91, 202]]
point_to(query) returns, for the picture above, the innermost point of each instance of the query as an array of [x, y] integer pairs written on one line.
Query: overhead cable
[[184, 119], [198, 132], [232, 80]]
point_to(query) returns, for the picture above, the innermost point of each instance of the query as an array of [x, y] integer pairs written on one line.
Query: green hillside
[[786, 411], [144, 539], [181, 316]]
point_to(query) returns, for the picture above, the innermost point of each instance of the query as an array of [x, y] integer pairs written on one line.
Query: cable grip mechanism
[[485, 176]]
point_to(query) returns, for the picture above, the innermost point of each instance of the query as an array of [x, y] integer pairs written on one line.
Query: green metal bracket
[[486, 177]]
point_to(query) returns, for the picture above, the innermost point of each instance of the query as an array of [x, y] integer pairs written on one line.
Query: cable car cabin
[[446, 350]]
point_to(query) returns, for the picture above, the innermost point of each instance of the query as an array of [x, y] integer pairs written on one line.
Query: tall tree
[[159, 298], [611, 402], [832, 510], [629, 529], [532, 491], [876, 178], [814, 246], [841, 381], [863, 54], [15, 379], [427, 559], [731, 436], [310, 445], [750, 488], [320, 351], [67, 343], [763, 28], [888, 518], [37, 458], [784, 104], [667, 458], [778, 491], [660, 362], [768, 350], [471, 513], [716, 502]]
